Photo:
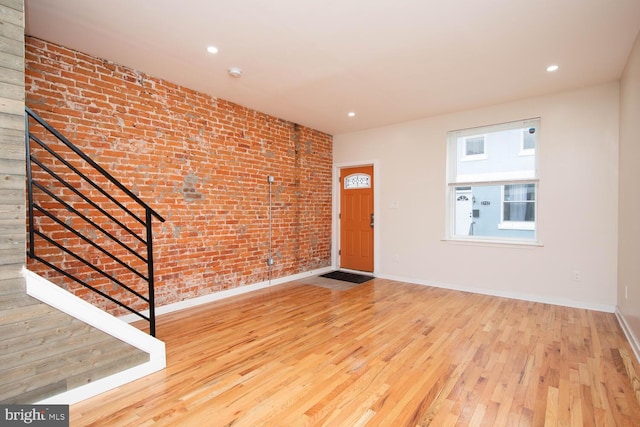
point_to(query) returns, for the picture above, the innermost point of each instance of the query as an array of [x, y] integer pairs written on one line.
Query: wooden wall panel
[[12, 163]]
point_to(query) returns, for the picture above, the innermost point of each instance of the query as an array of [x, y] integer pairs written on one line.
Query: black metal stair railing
[[85, 224]]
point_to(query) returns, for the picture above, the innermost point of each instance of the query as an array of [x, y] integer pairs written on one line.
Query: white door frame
[[335, 226]]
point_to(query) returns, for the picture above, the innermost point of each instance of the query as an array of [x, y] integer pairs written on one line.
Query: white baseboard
[[506, 294], [51, 294], [628, 332], [193, 302]]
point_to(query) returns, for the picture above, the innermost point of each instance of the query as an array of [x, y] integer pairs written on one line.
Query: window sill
[[495, 243], [516, 225], [474, 157]]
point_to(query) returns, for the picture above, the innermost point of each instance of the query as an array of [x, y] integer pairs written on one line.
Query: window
[[494, 199], [518, 207], [528, 142], [474, 148]]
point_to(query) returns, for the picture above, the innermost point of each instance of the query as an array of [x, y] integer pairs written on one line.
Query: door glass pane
[[357, 180]]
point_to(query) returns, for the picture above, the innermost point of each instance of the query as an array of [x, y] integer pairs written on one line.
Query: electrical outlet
[[270, 261], [577, 275], [271, 179]]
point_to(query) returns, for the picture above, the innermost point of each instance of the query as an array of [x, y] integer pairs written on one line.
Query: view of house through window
[[474, 147], [493, 182]]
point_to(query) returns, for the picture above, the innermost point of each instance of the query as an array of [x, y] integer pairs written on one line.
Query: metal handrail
[[48, 196]]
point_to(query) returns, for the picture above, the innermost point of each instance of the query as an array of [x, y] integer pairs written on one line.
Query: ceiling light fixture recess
[[235, 72], [351, 114], [212, 49], [552, 68]]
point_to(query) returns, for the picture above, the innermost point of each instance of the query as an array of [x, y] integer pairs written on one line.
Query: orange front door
[[356, 218]]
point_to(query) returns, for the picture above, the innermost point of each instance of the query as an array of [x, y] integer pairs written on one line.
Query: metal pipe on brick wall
[[270, 180]]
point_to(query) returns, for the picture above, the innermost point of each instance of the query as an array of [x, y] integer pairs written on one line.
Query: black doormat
[[347, 277]]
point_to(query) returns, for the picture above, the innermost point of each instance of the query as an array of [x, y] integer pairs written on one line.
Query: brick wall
[[200, 162]]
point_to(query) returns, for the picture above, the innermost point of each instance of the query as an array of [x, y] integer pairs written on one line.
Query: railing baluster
[[27, 141], [68, 208], [152, 299]]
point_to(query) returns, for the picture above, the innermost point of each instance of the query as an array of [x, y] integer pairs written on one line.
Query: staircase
[[86, 233], [45, 352]]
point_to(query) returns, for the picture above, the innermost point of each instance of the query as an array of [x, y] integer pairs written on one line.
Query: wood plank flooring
[[383, 353]]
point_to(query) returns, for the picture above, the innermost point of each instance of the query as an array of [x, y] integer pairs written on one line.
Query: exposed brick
[[201, 162]]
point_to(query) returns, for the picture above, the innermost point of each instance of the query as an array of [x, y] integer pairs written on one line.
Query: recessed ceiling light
[[351, 114], [212, 49], [552, 68]]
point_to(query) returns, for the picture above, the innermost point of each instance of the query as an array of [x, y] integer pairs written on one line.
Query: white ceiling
[[313, 61]]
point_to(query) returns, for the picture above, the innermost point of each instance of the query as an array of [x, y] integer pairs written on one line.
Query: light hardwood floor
[[383, 353]]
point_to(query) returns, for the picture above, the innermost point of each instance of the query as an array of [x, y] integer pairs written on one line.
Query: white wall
[[629, 248], [577, 212]]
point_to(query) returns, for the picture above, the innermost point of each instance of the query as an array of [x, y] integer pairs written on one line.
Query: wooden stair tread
[[34, 337], [31, 351], [26, 325], [20, 314], [44, 352], [67, 370], [10, 301], [12, 286]]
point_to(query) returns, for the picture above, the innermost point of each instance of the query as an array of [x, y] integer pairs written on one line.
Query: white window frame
[[490, 179]]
